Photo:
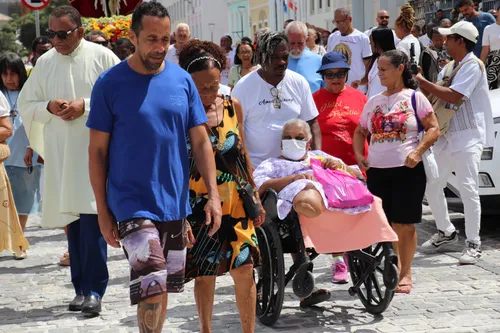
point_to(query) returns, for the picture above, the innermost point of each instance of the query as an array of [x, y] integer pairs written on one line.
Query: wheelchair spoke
[[376, 286]]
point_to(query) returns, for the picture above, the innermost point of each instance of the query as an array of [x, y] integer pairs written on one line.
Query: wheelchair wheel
[[270, 276], [375, 271]]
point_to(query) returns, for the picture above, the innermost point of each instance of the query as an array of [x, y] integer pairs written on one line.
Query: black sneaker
[[439, 240]]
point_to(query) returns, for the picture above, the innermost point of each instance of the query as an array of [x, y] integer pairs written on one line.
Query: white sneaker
[[471, 254], [439, 240]]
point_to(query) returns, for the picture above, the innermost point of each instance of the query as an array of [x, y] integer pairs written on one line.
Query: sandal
[[405, 286], [64, 260], [21, 256], [316, 297]]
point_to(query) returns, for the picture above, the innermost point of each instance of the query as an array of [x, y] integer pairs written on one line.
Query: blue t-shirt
[[307, 65], [148, 117], [481, 21]]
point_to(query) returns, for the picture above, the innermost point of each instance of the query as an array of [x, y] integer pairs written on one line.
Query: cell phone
[[413, 62]]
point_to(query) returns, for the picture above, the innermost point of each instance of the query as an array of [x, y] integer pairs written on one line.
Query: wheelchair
[[373, 270]]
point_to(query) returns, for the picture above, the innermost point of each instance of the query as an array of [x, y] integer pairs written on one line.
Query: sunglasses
[[384, 17], [338, 75], [51, 34]]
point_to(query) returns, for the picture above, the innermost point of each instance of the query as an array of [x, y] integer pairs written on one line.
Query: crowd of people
[[153, 146]]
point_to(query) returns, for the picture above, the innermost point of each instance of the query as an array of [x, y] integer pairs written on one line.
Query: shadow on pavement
[[31, 269]]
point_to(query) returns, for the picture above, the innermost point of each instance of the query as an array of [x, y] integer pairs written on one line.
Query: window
[[328, 3], [320, 6], [312, 6]]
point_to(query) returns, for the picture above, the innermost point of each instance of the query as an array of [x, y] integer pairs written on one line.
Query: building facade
[[239, 19], [207, 19], [259, 15]]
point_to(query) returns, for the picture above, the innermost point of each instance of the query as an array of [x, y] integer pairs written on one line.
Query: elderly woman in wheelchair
[[300, 220]]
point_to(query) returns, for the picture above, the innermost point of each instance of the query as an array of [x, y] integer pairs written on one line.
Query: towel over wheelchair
[[373, 269]]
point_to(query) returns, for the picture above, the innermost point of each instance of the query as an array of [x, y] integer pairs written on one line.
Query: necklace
[[275, 91], [13, 106]]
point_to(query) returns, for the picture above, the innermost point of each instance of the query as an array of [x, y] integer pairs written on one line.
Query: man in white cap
[[461, 147]]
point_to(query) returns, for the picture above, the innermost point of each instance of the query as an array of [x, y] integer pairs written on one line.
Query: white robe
[[63, 144]]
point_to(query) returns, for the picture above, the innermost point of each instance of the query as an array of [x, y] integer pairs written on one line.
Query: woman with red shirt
[[340, 107]]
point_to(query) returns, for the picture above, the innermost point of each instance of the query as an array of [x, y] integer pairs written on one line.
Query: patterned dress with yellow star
[[235, 244]]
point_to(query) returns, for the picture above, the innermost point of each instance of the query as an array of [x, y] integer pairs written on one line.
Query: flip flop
[[316, 297], [404, 288]]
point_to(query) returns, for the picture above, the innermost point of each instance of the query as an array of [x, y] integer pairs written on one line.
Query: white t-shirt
[[224, 90], [262, 122], [393, 126], [356, 47], [473, 121], [405, 45], [172, 55], [491, 37], [4, 106], [425, 40], [374, 85], [224, 77]]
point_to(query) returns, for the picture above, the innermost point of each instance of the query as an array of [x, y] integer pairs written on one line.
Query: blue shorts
[[25, 189]]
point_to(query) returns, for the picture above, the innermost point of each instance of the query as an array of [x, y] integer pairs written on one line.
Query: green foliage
[[23, 29]]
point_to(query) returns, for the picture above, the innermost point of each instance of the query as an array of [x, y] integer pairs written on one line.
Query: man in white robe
[[55, 103]]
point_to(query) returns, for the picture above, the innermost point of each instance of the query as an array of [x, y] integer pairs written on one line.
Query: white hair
[[299, 122], [183, 25], [298, 27]]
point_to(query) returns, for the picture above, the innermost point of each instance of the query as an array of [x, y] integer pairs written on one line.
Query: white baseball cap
[[463, 28]]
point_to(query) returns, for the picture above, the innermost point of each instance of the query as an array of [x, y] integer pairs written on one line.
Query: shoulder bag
[[246, 192], [442, 108]]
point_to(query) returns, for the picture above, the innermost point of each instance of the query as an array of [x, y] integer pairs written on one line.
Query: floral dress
[[278, 168], [235, 243]]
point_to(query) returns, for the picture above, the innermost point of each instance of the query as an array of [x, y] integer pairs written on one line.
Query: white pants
[[465, 163]]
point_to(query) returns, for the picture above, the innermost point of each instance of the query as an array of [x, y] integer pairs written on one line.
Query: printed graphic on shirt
[[389, 127], [344, 49]]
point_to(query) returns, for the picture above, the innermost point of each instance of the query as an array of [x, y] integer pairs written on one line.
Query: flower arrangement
[[113, 27]]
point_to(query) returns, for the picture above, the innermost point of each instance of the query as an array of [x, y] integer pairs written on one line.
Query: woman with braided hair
[[403, 26], [233, 247]]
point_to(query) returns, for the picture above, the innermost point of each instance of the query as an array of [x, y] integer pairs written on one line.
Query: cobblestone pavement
[[446, 297]]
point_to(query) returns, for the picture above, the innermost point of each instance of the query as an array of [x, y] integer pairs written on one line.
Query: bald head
[[182, 35], [343, 20], [383, 18]]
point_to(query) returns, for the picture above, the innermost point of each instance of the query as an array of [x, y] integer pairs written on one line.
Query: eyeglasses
[[245, 52], [338, 75], [384, 17], [51, 34]]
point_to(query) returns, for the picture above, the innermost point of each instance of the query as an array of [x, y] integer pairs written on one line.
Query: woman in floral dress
[[234, 246]]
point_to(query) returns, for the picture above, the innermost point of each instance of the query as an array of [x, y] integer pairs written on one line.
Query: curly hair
[[406, 19], [199, 55]]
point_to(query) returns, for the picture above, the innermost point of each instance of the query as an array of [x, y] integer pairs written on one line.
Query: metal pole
[[241, 20], [37, 23]]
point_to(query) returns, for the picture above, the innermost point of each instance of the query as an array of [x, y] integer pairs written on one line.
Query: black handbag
[[246, 192]]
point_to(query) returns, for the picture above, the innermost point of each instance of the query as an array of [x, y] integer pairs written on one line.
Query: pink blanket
[[334, 232]]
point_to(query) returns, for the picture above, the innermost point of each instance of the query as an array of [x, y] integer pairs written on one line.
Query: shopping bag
[[428, 159], [341, 189]]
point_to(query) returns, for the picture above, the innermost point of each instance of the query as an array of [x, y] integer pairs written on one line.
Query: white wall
[[214, 11]]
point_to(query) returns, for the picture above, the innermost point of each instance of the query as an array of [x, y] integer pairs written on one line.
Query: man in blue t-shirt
[[480, 20], [302, 60], [142, 112]]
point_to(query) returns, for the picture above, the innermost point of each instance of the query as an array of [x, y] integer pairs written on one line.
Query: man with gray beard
[[302, 60]]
